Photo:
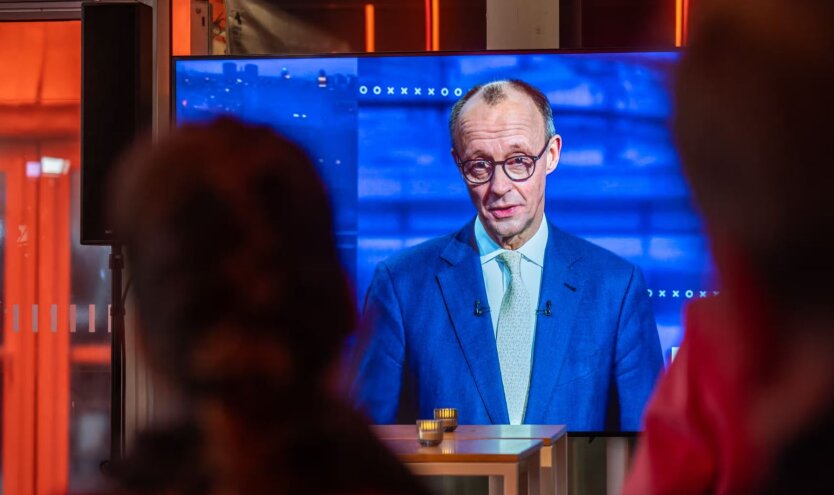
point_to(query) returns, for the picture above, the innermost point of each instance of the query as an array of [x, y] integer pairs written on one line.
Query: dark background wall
[[400, 24], [617, 23]]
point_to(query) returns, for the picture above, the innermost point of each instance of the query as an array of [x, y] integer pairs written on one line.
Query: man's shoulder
[[420, 255], [586, 255]]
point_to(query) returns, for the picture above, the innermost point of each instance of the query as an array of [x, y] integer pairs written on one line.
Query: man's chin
[[501, 230]]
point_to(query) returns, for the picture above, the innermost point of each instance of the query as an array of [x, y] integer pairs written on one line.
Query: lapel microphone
[[480, 310], [547, 311]]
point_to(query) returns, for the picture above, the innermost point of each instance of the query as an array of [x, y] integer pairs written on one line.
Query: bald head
[[496, 92]]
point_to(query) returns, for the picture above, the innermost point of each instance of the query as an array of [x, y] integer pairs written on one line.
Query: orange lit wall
[[39, 116], [181, 27], [181, 23]]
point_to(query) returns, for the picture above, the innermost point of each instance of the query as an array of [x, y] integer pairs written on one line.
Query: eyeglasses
[[518, 168]]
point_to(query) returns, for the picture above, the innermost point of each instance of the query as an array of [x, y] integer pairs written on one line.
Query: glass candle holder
[[429, 432], [449, 417]]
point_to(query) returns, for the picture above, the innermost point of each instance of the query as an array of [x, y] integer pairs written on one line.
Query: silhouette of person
[[243, 308], [755, 375]]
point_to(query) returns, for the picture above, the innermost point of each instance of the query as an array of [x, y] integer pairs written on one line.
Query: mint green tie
[[514, 338]]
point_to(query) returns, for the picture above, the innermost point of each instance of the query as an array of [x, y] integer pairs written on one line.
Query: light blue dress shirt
[[497, 276]]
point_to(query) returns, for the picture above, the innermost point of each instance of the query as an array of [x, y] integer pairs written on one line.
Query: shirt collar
[[532, 250]]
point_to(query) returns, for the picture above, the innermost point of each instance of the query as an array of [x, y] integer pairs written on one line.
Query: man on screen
[[509, 320]]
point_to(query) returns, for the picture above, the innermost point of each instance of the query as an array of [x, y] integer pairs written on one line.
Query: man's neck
[[515, 242], [487, 243]]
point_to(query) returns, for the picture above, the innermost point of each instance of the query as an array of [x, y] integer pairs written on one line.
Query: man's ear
[[554, 151]]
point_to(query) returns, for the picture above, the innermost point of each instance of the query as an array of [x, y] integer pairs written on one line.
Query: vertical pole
[[617, 460], [117, 350]]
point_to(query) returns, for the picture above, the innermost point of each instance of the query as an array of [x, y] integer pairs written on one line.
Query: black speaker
[[116, 100]]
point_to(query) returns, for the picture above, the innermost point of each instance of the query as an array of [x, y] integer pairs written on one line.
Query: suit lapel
[[461, 284], [561, 287]]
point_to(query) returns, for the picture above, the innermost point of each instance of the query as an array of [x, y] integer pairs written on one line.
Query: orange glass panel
[[19, 369], [53, 331], [39, 116]]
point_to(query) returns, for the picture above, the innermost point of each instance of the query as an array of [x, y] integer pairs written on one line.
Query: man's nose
[[500, 183]]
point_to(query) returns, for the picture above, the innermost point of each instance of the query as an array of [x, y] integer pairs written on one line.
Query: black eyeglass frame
[[503, 163]]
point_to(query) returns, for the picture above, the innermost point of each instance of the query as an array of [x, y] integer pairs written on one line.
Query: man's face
[[511, 212]]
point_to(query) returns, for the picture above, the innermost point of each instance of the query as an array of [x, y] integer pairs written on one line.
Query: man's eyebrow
[[476, 154]]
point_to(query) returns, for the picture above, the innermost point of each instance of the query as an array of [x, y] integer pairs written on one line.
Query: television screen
[[620, 254]]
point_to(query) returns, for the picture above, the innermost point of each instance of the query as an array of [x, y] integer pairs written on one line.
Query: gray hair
[[494, 93]]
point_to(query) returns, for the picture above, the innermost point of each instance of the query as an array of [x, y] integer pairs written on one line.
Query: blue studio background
[[377, 129]]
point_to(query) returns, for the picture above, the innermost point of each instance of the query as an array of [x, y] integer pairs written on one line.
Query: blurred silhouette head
[[754, 126], [239, 290]]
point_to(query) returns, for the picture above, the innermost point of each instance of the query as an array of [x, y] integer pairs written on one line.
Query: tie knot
[[512, 259]]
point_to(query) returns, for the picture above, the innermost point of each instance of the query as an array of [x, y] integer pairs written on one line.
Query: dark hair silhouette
[[754, 127], [243, 310]]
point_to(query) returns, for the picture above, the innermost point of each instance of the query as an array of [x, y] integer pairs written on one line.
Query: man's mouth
[[503, 211]]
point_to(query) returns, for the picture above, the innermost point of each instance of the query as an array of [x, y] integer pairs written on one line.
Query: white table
[[513, 466], [554, 451], [554, 454]]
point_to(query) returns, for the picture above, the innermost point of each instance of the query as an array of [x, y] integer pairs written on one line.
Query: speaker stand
[[117, 355]]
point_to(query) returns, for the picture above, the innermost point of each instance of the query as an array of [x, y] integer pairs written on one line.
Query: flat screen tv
[[377, 128]]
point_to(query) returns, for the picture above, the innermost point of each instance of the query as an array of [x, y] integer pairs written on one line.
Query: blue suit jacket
[[595, 357]]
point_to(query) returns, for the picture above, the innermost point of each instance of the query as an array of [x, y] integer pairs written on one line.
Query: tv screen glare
[[377, 128]]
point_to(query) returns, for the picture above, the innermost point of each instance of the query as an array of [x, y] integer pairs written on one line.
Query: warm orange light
[[181, 27], [435, 25], [90, 354], [685, 22], [369, 27], [679, 23]]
